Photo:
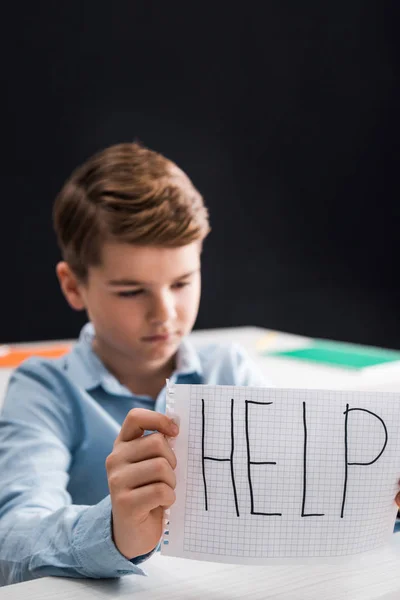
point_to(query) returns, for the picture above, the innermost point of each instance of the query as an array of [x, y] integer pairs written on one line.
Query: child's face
[[143, 300]]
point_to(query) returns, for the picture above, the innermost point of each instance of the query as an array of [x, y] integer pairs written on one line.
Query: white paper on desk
[[307, 475]]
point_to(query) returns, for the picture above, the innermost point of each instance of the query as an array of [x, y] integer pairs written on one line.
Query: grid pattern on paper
[[276, 434]]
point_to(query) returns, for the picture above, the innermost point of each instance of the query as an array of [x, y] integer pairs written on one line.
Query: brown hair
[[129, 194]]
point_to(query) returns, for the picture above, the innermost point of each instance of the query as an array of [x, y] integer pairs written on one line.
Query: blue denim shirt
[[58, 424]]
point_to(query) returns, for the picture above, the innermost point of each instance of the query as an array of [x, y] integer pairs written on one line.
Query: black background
[[285, 116]]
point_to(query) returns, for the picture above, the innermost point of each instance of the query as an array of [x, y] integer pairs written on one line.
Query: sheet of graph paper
[[282, 475]]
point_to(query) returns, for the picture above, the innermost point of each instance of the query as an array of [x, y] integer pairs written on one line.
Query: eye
[[179, 284], [129, 293]]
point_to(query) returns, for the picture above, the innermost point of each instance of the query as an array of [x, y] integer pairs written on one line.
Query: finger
[[152, 496], [139, 420], [132, 476], [144, 448]]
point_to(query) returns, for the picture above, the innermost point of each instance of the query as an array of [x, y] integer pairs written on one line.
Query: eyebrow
[[131, 282]]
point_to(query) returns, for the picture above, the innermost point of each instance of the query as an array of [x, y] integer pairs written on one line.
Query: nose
[[163, 308]]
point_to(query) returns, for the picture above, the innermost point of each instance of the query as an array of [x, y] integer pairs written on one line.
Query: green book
[[340, 354]]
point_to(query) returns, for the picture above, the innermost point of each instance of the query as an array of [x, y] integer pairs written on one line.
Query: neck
[[141, 380]]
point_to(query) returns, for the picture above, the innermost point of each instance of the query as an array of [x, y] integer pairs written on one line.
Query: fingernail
[[174, 429], [175, 419]]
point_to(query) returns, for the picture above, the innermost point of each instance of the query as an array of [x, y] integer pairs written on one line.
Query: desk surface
[[368, 577], [287, 372]]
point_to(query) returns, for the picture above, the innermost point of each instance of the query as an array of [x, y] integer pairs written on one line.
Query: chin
[[163, 353]]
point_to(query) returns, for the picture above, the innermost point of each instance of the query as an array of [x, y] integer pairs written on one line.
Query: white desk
[[372, 577], [287, 372]]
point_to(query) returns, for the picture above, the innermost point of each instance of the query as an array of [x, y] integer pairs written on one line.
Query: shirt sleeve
[[41, 532]]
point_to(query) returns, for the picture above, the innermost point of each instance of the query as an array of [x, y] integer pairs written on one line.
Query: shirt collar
[[89, 372], [188, 360]]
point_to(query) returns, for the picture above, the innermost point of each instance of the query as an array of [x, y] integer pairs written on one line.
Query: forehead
[[151, 264]]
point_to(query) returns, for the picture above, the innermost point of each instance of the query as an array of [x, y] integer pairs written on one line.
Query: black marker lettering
[[346, 449], [250, 462], [303, 514], [202, 454], [230, 460]]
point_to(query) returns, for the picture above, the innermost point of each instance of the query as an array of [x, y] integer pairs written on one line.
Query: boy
[[83, 490]]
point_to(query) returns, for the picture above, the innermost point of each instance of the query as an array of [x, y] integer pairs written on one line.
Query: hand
[[141, 479]]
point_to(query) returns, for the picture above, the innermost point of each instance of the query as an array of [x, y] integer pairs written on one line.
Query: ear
[[70, 285]]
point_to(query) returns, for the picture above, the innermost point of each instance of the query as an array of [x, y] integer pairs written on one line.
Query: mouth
[[163, 338]]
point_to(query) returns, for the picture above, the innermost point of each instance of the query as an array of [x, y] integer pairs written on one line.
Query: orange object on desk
[[15, 356]]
